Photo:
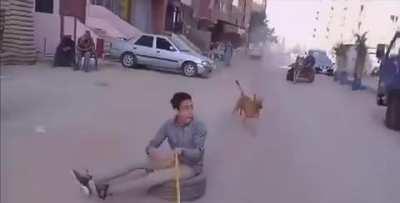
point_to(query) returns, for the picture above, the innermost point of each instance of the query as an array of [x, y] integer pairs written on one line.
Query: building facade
[[147, 15], [16, 32]]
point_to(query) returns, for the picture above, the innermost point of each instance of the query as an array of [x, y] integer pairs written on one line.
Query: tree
[[297, 50], [340, 51], [361, 49], [259, 31]]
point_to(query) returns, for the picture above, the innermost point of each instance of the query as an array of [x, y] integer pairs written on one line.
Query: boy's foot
[[101, 190], [83, 181]]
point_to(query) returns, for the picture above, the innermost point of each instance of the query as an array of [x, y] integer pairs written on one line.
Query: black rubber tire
[[189, 69], [191, 189], [379, 101], [128, 60], [289, 75], [392, 118], [312, 78]]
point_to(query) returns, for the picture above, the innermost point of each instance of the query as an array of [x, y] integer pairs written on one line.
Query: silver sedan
[[162, 52]]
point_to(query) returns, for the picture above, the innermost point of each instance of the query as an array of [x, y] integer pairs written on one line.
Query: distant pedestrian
[[212, 51], [220, 51], [228, 53]]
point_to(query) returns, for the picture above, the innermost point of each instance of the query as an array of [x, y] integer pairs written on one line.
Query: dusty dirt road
[[315, 143]]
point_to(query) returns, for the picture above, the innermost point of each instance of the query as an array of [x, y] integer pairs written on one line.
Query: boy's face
[[185, 111]]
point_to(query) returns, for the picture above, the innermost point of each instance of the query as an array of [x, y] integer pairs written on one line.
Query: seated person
[[185, 135], [309, 61], [86, 47], [85, 44], [65, 52]]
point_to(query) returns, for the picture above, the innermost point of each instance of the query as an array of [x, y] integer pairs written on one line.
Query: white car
[[162, 52], [256, 50]]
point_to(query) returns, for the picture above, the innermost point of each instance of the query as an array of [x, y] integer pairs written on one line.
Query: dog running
[[247, 107]]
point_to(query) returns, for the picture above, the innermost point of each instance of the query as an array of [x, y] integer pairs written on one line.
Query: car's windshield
[[180, 44]]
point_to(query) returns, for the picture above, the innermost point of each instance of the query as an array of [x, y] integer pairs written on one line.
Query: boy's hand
[[161, 159], [178, 151]]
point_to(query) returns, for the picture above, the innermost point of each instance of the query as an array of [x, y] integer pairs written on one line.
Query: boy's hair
[[178, 98]]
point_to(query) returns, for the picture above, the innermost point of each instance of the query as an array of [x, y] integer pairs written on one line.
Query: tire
[[189, 69], [380, 101], [392, 118], [312, 77], [296, 74], [318, 70], [128, 60], [289, 75], [191, 189]]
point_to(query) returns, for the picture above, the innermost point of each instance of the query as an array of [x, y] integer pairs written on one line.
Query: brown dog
[[247, 107]]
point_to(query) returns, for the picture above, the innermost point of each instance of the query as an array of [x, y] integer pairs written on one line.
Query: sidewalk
[[371, 83]]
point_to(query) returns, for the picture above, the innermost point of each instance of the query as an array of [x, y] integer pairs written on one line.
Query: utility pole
[[343, 24], [316, 29], [360, 18]]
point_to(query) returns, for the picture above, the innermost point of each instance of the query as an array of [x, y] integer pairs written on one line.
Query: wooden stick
[[178, 188]]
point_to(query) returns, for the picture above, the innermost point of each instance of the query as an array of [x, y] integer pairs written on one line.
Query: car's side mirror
[[171, 48], [380, 51]]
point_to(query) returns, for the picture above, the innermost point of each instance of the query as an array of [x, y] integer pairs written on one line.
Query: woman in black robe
[[65, 53]]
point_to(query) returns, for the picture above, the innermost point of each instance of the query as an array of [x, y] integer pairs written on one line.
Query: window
[[163, 44], [146, 41], [395, 50], [235, 3], [44, 6]]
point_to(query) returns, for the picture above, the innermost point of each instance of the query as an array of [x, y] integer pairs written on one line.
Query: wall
[[187, 2], [203, 9], [159, 9], [142, 18], [47, 28], [199, 38], [17, 45], [99, 13], [80, 28]]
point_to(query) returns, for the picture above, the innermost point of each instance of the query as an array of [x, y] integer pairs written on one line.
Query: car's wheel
[[392, 119], [189, 69], [289, 75], [380, 101], [128, 60]]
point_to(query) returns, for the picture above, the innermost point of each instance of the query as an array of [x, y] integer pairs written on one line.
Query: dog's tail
[[240, 87]]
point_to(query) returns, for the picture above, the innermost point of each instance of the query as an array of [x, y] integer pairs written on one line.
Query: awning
[[233, 37]]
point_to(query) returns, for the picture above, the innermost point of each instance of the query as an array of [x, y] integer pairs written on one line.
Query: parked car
[[389, 81], [162, 52], [256, 50], [323, 64]]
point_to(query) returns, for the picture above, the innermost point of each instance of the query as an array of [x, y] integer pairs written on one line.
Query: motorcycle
[[299, 72]]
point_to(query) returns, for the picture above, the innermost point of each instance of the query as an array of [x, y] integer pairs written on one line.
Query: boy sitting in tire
[[186, 137]]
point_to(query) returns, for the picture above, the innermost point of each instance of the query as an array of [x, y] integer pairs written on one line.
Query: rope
[[178, 188]]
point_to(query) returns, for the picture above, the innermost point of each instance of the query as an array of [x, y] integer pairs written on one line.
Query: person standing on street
[[185, 135], [212, 51], [228, 53]]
